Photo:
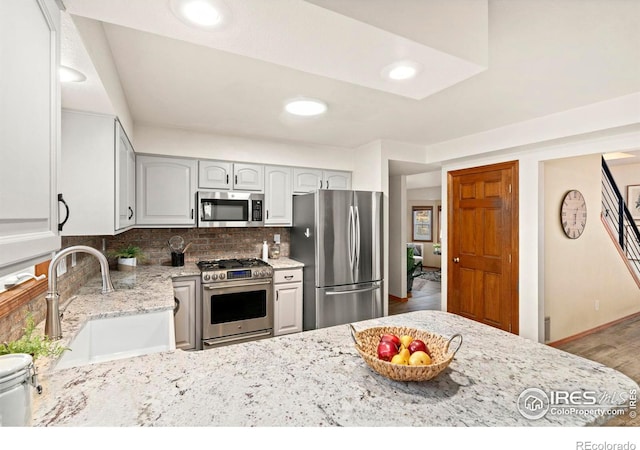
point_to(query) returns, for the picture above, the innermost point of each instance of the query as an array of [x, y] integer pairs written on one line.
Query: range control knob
[[222, 276], [214, 276], [206, 277]]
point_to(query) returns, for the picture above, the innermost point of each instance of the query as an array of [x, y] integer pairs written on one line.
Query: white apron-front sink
[[120, 337]]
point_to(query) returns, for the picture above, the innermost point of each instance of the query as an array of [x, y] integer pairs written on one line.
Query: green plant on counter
[[130, 251], [32, 344]]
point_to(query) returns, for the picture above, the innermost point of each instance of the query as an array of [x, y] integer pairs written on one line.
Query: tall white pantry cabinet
[[29, 131]]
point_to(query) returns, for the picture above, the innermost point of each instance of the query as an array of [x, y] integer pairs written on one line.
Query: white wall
[[604, 119], [95, 41], [587, 283], [366, 161], [176, 142], [397, 236], [624, 176], [430, 193]]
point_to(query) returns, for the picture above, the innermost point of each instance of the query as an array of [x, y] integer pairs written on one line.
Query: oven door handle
[[227, 286], [241, 337]]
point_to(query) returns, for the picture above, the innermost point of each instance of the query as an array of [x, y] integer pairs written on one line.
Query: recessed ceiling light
[[67, 75], [401, 70], [306, 107], [208, 14]]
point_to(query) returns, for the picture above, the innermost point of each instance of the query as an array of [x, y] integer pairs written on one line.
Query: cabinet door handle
[[288, 277], [320, 184], [66, 217], [236, 179], [227, 178], [267, 214], [277, 295], [456, 260], [176, 308], [130, 215], [327, 184], [192, 213]]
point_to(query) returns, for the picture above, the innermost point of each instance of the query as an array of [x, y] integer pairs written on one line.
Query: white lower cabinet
[[287, 301], [185, 292]]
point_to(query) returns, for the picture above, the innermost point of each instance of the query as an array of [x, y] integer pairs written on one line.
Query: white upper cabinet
[[165, 191], [248, 177], [336, 179], [29, 131], [97, 175], [215, 175], [125, 180], [278, 200], [308, 180], [224, 175]]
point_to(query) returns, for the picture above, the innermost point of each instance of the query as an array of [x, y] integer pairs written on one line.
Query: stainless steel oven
[[237, 298]]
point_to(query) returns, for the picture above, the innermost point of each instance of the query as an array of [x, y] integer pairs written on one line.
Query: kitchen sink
[[120, 337]]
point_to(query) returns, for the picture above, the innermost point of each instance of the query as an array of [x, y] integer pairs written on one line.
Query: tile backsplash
[[206, 243]]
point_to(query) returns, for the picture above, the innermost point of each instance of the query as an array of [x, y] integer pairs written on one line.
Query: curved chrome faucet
[[52, 326]]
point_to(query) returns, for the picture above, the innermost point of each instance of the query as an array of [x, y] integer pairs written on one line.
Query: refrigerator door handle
[[357, 233], [351, 238], [355, 291]]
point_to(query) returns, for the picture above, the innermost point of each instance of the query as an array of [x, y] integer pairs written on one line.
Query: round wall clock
[[573, 214]]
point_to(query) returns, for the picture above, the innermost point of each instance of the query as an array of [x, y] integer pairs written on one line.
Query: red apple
[[418, 346], [391, 338], [387, 350]]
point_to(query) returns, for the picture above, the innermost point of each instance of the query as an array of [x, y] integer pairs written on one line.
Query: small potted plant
[[128, 257], [32, 343]]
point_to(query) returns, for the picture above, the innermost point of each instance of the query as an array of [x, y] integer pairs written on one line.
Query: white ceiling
[[486, 64]]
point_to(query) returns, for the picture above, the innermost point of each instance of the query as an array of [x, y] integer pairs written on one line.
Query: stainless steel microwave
[[230, 209]]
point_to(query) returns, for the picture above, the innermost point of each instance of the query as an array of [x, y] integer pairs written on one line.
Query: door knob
[[456, 260]]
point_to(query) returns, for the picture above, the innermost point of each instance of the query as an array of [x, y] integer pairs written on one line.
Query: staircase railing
[[618, 219]]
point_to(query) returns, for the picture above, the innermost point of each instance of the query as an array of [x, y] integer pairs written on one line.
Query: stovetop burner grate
[[225, 264]]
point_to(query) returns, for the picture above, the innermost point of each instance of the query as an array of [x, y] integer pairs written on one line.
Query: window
[[422, 225]]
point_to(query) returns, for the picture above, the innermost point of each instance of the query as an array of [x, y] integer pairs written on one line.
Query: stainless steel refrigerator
[[338, 237]]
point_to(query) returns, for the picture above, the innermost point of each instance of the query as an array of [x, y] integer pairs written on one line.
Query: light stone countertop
[[314, 378], [285, 263]]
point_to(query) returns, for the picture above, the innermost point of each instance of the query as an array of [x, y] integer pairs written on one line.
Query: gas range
[[222, 270]]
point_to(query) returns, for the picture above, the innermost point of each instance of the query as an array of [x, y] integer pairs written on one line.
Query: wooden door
[[483, 245]]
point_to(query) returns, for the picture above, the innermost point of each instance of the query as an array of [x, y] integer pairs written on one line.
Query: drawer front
[[287, 276]]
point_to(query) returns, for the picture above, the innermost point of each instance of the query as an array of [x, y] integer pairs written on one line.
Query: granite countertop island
[[314, 378]]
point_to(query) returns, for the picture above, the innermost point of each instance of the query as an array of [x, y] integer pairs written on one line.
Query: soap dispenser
[[265, 251]]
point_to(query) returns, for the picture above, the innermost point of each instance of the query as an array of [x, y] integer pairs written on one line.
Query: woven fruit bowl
[[366, 342]]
